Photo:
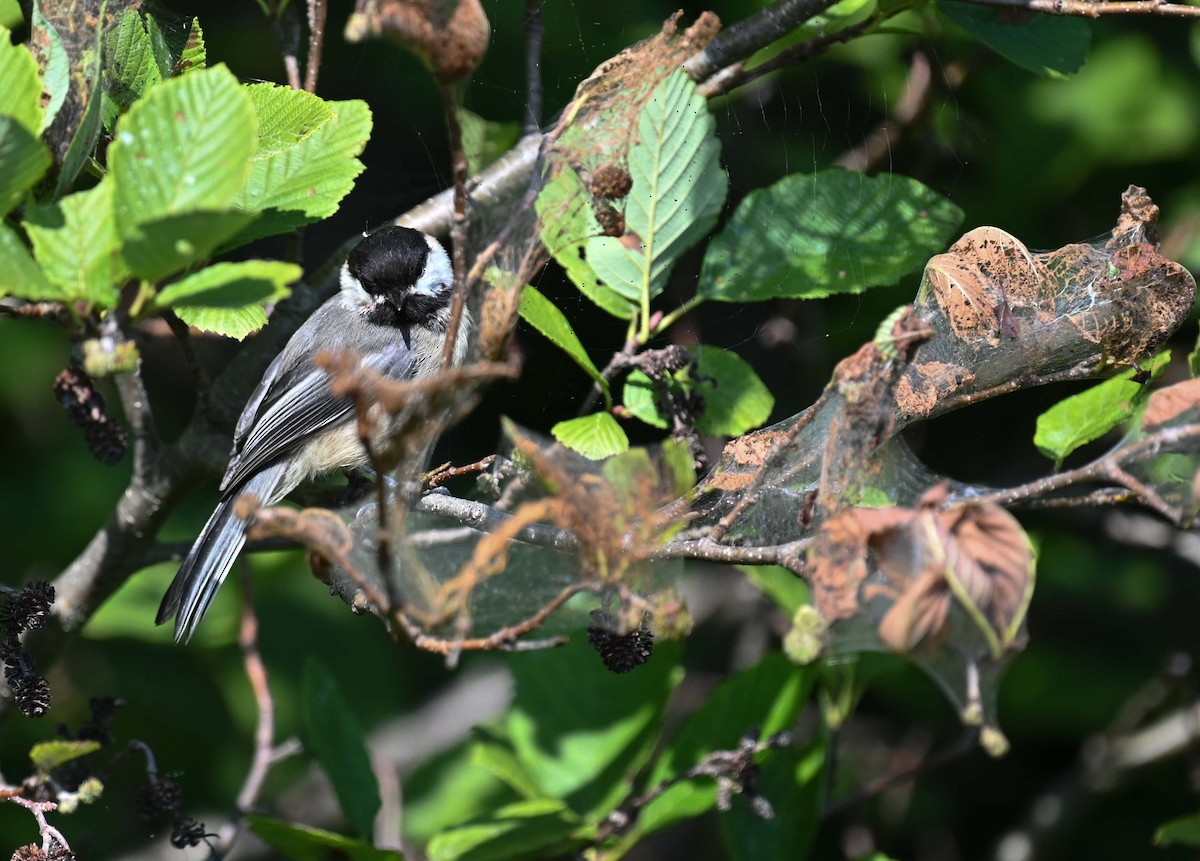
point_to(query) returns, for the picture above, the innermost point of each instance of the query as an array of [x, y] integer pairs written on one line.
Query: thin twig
[[533, 65], [316, 41], [287, 33], [458, 232], [48, 831], [1088, 9], [200, 378], [439, 476]]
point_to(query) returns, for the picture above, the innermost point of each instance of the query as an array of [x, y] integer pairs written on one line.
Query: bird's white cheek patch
[[353, 297]]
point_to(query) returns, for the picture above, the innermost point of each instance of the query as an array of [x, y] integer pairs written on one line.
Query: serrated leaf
[[678, 189], [228, 298], [19, 275], [596, 436], [542, 314], [306, 182], [1089, 415], [565, 209], [735, 399], [1184, 831], [159, 48], [234, 323], [184, 147], [285, 117], [298, 842], [525, 829], [23, 160], [1050, 45], [333, 735], [169, 244], [836, 231], [21, 95], [130, 67], [56, 73], [194, 55], [49, 755], [76, 243], [231, 285]]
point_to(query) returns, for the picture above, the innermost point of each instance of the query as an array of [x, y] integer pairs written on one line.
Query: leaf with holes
[[836, 231], [677, 193]]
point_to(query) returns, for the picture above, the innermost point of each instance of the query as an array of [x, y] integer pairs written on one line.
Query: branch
[[316, 40], [1087, 9]]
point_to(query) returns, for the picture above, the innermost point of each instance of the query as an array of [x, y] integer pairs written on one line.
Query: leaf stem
[[669, 320]]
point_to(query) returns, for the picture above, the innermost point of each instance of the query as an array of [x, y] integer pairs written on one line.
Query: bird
[[393, 311]]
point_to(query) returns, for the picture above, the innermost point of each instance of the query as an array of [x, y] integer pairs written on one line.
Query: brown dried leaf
[[451, 36], [837, 558], [1168, 404]]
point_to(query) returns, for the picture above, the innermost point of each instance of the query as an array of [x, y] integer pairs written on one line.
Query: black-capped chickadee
[[393, 310]]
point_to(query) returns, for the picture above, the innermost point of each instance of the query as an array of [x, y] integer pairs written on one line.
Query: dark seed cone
[[76, 392], [620, 652]]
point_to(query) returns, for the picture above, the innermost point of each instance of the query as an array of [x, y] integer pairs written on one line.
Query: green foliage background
[[1044, 158]]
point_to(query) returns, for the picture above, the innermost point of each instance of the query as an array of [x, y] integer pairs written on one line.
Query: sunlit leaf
[[130, 66], [1089, 415], [305, 182], [836, 231], [21, 95], [183, 148], [49, 755], [193, 55], [565, 209], [678, 189], [525, 829], [56, 71], [1184, 831], [596, 436], [77, 245], [20, 276], [298, 842], [542, 314], [231, 285], [735, 399]]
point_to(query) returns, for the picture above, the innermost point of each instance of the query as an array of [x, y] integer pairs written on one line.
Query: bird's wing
[[290, 407]]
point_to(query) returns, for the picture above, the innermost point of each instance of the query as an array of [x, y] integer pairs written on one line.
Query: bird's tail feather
[[213, 554]]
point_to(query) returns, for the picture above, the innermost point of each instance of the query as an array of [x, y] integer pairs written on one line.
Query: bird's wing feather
[[295, 405]]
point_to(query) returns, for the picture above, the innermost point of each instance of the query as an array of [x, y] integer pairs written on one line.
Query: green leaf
[[130, 68], [333, 735], [1194, 359], [56, 74], [194, 55], [735, 399], [448, 790], [484, 141], [542, 314], [1050, 45], [20, 276], [596, 436], [1089, 415], [76, 243], [159, 248], [565, 209], [23, 160], [783, 587], [790, 780], [184, 147], [582, 732], [767, 697], [10, 14], [231, 285], [304, 843], [523, 830], [285, 117], [159, 48], [1184, 831], [300, 184], [836, 231], [678, 189], [83, 143], [49, 755], [21, 95], [234, 323]]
